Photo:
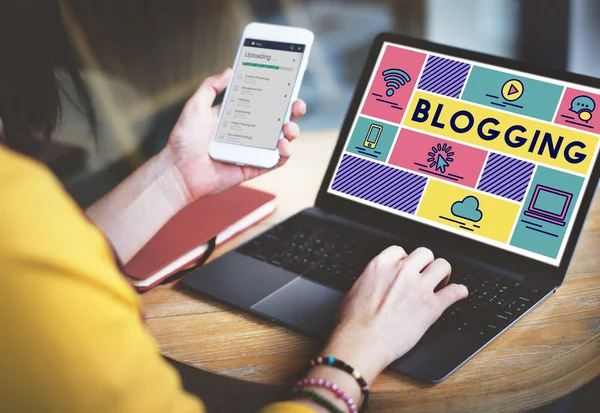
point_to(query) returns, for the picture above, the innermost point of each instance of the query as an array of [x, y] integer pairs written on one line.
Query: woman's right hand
[[390, 307]]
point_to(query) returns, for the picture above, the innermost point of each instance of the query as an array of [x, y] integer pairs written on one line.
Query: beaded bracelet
[[332, 388], [317, 398], [339, 364]]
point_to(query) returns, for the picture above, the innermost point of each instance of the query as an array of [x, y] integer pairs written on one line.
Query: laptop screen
[[496, 155]]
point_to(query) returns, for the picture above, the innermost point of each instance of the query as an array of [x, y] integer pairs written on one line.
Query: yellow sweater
[[71, 334]]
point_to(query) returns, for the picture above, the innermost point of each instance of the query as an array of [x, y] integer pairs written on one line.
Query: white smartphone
[[267, 74]]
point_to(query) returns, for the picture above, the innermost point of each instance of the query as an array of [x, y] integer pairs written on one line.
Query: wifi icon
[[394, 78]]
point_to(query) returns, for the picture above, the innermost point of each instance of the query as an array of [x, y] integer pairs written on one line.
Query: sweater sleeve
[[73, 339]]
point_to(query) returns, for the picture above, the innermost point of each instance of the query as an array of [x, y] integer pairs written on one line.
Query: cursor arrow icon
[[441, 164]]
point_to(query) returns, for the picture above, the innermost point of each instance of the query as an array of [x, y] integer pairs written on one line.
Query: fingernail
[[464, 290]]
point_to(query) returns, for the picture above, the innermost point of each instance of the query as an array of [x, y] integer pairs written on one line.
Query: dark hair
[[33, 46]]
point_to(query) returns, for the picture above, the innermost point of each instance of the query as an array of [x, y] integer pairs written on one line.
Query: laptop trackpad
[[304, 305]]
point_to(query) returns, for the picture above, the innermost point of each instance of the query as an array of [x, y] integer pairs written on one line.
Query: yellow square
[[469, 211]]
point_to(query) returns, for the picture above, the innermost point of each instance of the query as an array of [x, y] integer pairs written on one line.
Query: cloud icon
[[468, 209]]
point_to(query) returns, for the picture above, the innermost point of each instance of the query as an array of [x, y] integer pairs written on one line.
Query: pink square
[[579, 110], [419, 152], [394, 82]]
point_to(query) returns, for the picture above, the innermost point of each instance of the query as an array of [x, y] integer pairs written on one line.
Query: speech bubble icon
[[582, 103]]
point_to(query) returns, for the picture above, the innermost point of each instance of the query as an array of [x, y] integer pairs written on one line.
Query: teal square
[[538, 99], [382, 132], [541, 227]]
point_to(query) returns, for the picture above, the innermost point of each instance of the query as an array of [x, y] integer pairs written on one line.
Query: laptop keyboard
[[336, 255], [493, 303], [320, 250]]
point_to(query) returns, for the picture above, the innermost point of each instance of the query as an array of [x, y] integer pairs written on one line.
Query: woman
[[72, 337]]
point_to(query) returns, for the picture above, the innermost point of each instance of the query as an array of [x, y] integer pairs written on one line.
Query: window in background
[[584, 53]]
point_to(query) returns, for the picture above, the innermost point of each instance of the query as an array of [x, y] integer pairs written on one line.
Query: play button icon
[[512, 90]]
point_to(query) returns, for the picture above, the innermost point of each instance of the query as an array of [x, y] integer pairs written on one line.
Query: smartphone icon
[[373, 136]]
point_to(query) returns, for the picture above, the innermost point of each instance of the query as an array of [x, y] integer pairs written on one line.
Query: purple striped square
[[379, 183], [444, 76], [506, 177]]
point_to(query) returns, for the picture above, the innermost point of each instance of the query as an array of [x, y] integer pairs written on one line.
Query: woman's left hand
[[187, 148]]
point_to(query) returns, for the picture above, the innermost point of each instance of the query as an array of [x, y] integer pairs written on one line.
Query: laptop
[[489, 162]]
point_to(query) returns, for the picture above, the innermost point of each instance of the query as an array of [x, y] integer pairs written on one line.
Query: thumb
[[451, 294], [211, 87]]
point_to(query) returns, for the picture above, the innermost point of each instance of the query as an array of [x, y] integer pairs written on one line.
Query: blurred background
[[144, 58]]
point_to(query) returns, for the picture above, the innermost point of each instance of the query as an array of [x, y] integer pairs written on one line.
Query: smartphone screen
[[260, 93], [373, 136]]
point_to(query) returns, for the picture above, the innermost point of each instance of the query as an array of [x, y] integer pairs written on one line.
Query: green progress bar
[[260, 65]]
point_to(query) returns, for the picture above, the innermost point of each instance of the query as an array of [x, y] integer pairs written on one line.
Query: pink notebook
[[184, 239]]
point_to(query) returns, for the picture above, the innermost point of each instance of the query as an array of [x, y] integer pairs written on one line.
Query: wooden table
[[552, 352]]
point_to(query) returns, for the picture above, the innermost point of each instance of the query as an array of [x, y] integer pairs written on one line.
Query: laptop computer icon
[[549, 204], [502, 163]]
